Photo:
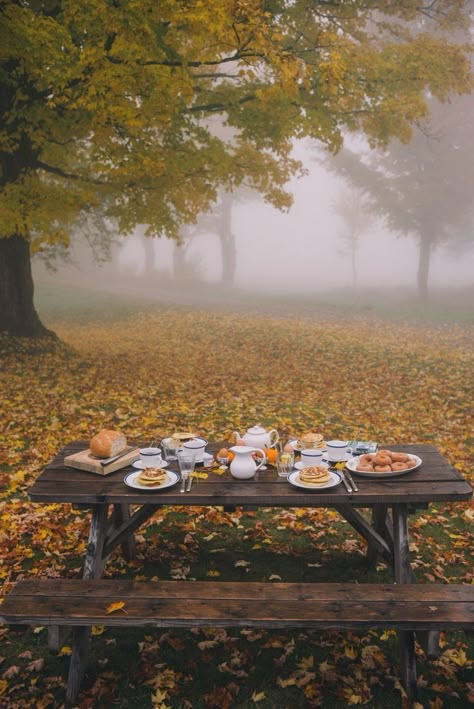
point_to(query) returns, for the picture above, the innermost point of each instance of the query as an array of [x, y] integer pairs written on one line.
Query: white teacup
[[311, 456], [151, 457], [196, 446], [337, 451]]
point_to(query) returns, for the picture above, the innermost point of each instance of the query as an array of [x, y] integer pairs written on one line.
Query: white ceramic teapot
[[259, 437], [243, 465]]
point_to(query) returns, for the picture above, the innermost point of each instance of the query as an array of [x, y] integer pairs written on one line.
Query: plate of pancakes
[[315, 477], [383, 464], [311, 440], [151, 479]]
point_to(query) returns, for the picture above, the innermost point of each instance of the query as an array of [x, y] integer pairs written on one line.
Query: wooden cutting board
[[84, 460]]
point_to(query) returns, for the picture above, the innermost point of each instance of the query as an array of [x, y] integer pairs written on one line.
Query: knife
[[351, 480], [344, 480], [106, 461]]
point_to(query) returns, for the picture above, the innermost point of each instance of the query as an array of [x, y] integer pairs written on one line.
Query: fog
[[302, 250]]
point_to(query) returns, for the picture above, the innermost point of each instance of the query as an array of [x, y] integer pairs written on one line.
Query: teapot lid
[[257, 429]]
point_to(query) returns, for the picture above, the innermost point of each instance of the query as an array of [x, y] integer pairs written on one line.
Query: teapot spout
[[237, 436]]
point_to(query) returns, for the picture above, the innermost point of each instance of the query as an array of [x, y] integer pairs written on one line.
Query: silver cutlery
[[106, 461], [351, 480], [344, 479]]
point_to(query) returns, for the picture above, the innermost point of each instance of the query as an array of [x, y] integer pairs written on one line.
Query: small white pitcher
[[243, 466]]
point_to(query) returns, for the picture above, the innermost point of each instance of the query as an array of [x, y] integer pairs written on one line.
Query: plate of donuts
[[383, 464]]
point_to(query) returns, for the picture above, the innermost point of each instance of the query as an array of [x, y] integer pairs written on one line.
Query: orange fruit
[[271, 454], [231, 456]]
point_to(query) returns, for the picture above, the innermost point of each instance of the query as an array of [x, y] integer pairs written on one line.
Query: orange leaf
[[117, 606]]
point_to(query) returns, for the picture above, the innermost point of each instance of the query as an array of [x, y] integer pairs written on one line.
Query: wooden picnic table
[[118, 511], [435, 481]]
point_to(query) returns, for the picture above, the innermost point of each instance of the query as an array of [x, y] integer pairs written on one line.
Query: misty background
[[311, 248]]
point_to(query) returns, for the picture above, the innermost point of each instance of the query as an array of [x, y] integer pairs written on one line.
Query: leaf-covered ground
[[169, 369]]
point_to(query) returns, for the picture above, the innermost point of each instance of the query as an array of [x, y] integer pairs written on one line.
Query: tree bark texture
[[426, 242], [227, 238], [18, 316]]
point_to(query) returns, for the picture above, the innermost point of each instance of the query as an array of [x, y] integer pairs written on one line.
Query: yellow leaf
[[350, 652], [65, 651], [258, 696], [3, 686], [117, 606], [98, 629]]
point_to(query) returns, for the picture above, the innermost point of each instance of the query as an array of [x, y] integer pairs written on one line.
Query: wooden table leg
[[121, 514], [404, 574], [382, 524], [93, 565], [360, 524]]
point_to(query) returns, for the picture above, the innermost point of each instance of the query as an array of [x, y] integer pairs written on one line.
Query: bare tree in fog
[[423, 189], [351, 206]]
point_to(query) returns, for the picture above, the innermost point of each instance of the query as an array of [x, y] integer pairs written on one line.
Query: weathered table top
[[435, 481]]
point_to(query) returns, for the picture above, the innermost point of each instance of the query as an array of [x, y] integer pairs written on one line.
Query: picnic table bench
[[409, 608]]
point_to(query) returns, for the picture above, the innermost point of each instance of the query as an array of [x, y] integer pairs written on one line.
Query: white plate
[[139, 465], [131, 480], [294, 445], [293, 479], [353, 463], [299, 465]]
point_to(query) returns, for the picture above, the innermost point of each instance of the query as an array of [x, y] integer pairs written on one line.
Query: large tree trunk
[[17, 311], [426, 243], [229, 255]]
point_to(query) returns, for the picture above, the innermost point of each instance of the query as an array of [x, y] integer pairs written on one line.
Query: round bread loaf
[[107, 444]]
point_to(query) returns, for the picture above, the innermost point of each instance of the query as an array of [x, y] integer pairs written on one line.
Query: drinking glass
[[170, 448], [284, 464], [186, 463], [223, 460]]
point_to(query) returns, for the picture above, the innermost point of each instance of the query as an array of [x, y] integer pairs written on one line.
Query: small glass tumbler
[[186, 463], [170, 448], [284, 464]]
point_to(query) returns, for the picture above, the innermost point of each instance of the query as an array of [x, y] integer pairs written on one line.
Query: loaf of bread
[[107, 444]]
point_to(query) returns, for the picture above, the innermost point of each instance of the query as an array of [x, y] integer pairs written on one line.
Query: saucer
[[299, 465], [333, 462], [139, 465]]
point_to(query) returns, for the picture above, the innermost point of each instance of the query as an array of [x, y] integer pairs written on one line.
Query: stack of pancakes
[[152, 477], [315, 475], [311, 440]]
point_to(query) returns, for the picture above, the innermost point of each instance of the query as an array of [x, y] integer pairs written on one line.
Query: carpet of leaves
[[170, 370]]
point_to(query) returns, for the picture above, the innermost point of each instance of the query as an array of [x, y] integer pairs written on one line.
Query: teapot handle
[[264, 459], [277, 437]]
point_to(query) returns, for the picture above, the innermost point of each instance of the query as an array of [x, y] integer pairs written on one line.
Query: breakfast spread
[[315, 475]]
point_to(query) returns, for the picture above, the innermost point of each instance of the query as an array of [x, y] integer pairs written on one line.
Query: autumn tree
[[105, 105]]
